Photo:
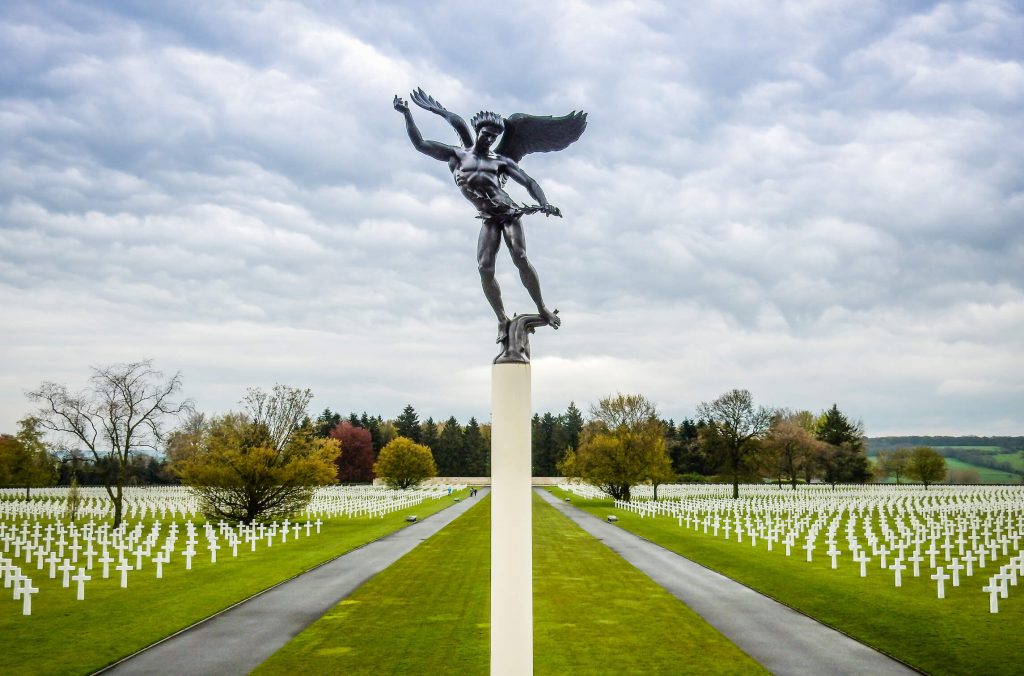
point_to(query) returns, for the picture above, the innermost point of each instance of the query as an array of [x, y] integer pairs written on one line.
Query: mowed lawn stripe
[[954, 635], [429, 613], [594, 613], [426, 613], [66, 636]]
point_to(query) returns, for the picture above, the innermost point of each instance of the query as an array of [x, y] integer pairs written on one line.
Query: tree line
[[266, 457]]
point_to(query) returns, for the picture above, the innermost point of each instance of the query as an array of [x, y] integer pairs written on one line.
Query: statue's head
[[488, 124]]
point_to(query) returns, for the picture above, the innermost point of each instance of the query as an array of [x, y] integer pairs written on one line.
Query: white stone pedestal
[[511, 522]]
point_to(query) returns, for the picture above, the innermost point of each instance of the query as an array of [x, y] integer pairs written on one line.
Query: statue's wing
[[533, 133], [428, 102]]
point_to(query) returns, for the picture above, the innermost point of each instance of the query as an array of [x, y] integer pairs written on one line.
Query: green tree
[[622, 446], [326, 422], [834, 428], [119, 414], [843, 459], [262, 463], [926, 465], [734, 433], [476, 449], [404, 464], [687, 453], [892, 463], [572, 426], [429, 434], [845, 463], [450, 448], [549, 443], [408, 424], [25, 459]]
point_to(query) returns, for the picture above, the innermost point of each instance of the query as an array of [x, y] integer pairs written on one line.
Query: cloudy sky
[[818, 201]]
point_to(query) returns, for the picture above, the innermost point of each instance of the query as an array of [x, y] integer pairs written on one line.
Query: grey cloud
[[816, 201]]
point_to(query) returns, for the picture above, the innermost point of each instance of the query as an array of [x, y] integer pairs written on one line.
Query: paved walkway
[[781, 639], [239, 639]]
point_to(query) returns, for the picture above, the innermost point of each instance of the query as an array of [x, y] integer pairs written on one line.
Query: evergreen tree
[[385, 430], [428, 434], [572, 426], [325, 422], [836, 429], [475, 451], [449, 450], [687, 455], [548, 445], [842, 459], [408, 424]]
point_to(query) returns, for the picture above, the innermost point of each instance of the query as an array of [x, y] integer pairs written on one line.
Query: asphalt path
[[783, 640], [240, 638]]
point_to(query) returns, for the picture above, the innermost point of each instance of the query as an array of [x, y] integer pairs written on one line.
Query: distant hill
[[1005, 444], [999, 454]]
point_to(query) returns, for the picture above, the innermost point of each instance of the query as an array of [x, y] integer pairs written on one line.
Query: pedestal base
[[511, 522]]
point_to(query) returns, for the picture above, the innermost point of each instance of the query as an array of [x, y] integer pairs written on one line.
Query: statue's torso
[[479, 179]]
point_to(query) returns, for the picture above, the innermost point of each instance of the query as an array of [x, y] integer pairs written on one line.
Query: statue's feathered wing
[[539, 134], [428, 102]]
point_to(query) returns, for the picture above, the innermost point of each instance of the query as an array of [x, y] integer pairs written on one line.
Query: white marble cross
[[81, 578], [66, 567], [940, 577], [124, 567], [26, 590], [898, 567], [993, 590], [956, 567]]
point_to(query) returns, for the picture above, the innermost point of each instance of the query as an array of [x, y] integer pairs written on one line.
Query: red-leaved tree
[[355, 464]]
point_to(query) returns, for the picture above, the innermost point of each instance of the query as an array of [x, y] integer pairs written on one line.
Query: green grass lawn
[[429, 613], [594, 613], [66, 636], [955, 635]]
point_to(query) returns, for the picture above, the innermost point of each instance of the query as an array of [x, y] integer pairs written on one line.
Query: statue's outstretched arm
[[438, 151], [532, 187]]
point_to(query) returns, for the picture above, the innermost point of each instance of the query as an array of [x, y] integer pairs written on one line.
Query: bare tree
[[735, 429], [281, 411], [118, 414], [793, 445]]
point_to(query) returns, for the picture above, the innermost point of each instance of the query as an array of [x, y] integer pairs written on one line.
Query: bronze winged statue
[[481, 173]]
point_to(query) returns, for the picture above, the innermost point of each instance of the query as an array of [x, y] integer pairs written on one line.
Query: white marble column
[[511, 521]]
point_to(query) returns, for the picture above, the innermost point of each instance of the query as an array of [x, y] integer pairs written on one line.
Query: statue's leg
[[486, 252], [515, 238]]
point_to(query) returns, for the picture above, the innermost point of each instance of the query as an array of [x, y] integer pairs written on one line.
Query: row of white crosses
[[57, 550], [376, 501], [163, 502], [95, 549], [944, 533]]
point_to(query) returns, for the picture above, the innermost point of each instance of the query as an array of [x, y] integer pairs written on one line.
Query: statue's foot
[[552, 318], [503, 325]]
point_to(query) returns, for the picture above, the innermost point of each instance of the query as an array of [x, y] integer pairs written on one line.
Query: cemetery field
[[429, 613], [953, 635], [66, 635]]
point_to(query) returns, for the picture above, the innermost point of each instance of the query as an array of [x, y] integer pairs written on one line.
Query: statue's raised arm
[[428, 102], [439, 151]]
